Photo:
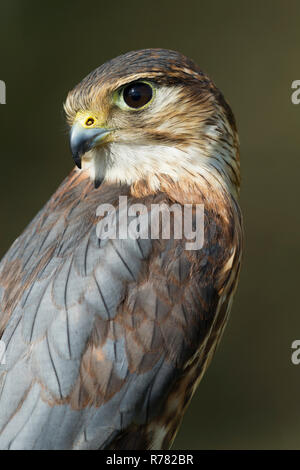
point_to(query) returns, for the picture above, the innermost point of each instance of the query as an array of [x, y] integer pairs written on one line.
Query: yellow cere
[[88, 120]]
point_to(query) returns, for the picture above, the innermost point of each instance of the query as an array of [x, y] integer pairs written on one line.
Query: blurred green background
[[250, 396]]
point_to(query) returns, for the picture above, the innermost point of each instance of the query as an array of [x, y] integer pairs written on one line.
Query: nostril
[[90, 121]]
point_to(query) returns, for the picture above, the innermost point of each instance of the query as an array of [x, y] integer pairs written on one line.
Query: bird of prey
[[108, 338]]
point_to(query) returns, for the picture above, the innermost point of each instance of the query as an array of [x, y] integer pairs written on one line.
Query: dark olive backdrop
[[249, 398]]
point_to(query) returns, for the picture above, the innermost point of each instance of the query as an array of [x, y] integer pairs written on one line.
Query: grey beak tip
[[83, 140], [77, 160]]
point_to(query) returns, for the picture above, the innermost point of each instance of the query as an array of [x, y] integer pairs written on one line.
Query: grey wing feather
[[48, 331], [95, 332]]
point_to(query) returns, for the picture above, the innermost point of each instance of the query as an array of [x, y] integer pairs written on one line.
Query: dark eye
[[136, 95]]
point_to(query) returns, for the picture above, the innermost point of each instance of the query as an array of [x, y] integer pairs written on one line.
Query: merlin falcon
[[108, 338]]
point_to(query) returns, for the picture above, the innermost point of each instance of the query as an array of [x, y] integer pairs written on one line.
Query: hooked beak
[[82, 140]]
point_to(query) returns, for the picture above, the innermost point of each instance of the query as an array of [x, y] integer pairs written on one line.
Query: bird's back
[[107, 339]]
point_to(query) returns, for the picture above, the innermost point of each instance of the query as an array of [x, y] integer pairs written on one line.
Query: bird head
[[152, 114]]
